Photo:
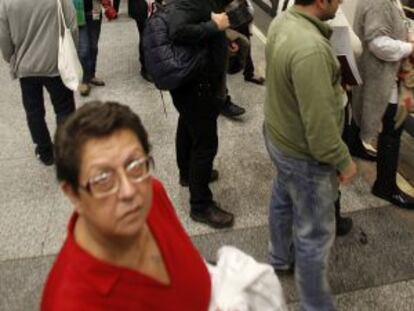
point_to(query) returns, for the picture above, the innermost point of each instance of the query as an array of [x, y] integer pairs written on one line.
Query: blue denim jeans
[[88, 46], [302, 224]]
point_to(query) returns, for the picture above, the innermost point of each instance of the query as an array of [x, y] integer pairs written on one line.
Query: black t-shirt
[[87, 4]]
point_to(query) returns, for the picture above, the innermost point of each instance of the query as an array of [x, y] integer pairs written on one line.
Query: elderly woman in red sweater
[[125, 248]]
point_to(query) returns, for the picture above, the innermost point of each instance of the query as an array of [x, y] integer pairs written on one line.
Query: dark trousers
[[32, 93], [248, 71], [196, 138], [116, 4], [389, 141], [88, 46], [140, 26]]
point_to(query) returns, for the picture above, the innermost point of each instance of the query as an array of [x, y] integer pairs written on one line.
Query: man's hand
[[221, 20], [348, 173]]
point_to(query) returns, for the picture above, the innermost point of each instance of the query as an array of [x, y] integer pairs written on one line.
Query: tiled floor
[[378, 275]]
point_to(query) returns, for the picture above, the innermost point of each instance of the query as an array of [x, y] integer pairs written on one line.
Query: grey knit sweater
[[29, 35], [375, 18]]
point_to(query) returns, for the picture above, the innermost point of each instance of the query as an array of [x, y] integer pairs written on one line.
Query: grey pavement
[[376, 273]]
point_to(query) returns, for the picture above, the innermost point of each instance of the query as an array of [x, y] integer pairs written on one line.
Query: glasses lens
[[138, 169], [102, 183]]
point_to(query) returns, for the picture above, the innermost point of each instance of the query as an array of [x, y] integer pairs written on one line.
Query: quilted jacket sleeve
[[190, 22]]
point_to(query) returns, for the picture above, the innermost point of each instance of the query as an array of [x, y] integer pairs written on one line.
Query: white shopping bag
[[69, 66], [239, 283]]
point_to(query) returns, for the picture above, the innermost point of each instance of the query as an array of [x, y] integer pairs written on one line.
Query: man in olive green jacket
[[303, 125]]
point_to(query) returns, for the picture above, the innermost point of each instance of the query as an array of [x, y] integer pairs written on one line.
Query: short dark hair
[[304, 2], [93, 120]]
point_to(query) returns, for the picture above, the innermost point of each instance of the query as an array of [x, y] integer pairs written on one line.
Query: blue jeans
[[32, 94], [88, 46], [302, 224]]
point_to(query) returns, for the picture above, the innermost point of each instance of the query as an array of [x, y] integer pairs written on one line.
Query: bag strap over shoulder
[[61, 17]]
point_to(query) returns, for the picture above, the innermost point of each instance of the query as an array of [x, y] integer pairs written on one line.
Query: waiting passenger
[[29, 33], [248, 68], [383, 29], [89, 15], [125, 248], [138, 10], [304, 118], [193, 22]]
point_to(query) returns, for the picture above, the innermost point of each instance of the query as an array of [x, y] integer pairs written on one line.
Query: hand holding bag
[[69, 66]]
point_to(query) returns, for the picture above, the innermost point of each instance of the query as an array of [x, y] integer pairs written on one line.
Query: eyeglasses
[[107, 181]]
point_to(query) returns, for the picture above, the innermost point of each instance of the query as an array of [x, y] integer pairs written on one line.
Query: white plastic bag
[[69, 66], [239, 283]]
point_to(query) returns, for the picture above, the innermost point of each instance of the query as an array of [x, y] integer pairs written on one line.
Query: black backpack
[[170, 65]]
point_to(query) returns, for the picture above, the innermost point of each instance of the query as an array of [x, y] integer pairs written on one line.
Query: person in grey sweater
[[29, 34], [384, 32]]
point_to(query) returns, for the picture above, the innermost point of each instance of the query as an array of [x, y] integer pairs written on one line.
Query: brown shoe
[[84, 89], [97, 82], [213, 216]]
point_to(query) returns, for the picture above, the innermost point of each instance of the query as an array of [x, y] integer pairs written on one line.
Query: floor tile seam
[[17, 159], [228, 231], [48, 226], [361, 289], [42, 256], [266, 224], [337, 295], [389, 205]]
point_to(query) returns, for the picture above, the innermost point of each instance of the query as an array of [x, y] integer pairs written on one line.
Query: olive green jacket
[[304, 113]]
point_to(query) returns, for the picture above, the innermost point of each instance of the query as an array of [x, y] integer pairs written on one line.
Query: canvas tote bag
[[69, 66]]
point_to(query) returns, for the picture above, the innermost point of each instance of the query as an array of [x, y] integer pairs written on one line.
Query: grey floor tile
[[357, 196], [392, 297], [21, 283], [385, 257], [22, 228], [56, 228], [26, 180], [27, 191]]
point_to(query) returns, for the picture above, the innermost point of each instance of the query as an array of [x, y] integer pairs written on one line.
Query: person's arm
[[378, 31], [319, 112], [390, 50], [71, 19], [6, 43], [185, 28]]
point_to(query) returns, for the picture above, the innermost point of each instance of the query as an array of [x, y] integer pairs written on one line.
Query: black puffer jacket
[[190, 24]]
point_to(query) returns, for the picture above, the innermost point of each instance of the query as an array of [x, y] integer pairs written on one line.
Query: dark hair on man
[[93, 120], [304, 2]]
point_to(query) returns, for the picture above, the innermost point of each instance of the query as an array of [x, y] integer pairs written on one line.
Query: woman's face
[[112, 199]]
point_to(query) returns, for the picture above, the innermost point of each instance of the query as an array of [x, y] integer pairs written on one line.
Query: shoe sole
[[385, 198], [255, 82], [233, 116], [212, 224], [97, 84]]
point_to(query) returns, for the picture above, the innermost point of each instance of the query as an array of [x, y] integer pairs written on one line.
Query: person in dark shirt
[[192, 22], [90, 21], [138, 11]]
